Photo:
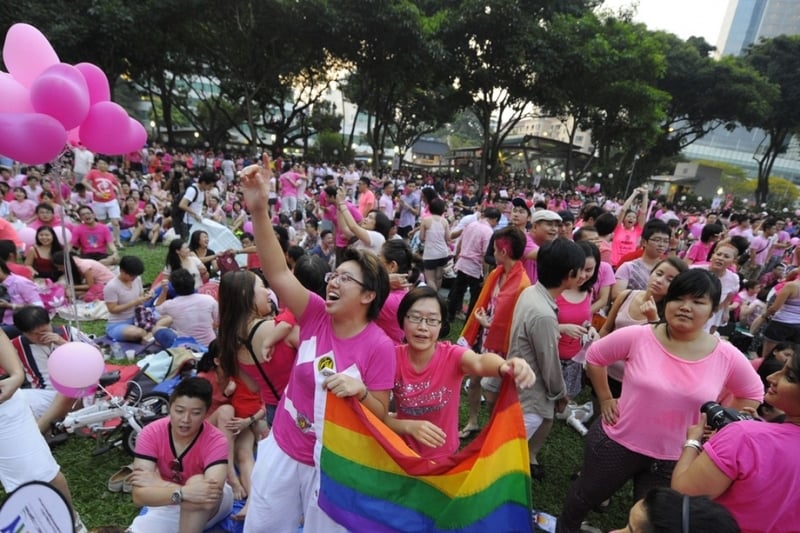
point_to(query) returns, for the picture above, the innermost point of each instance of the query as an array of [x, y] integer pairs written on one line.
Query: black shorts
[[432, 264], [782, 332]]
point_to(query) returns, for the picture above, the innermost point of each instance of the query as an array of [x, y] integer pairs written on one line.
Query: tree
[[494, 57], [778, 60]]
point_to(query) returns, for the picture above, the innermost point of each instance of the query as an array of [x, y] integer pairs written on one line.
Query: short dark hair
[[605, 224], [182, 281], [437, 206], [695, 282], [376, 278], [709, 230], [193, 388], [131, 264], [310, 271], [420, 293], [30, 317], [295, 252], [208, 177], [566, 215], [579, 233], [7, 249], [383, 224], [655, 226], [664, 510], [492, 212], [558, 260]]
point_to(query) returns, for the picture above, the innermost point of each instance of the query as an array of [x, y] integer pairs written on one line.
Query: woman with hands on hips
[[750, 467], [671, 369], [430, 372]]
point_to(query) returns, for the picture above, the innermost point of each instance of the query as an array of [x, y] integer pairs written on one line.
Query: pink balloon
[[27, 235], [137, 136], [58, 230], [61, 92], [32, 138], [794, 241], [75, 364], [27, 53], [73, 137], [106, 129], [73, 392], [97, 82], [13, 95], [248, 226]]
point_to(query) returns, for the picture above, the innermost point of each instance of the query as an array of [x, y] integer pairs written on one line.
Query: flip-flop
[[468, 432], [116, 483]]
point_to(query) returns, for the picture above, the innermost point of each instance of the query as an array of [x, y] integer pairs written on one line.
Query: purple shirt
[[21, 291]]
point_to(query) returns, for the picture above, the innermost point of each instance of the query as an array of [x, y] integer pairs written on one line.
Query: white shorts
[[24, 454], [167, 518], [282, 492], [532, 422], [39, 400], [103, 210]]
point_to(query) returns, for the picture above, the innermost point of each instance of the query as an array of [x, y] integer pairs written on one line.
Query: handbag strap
[[249, 345]]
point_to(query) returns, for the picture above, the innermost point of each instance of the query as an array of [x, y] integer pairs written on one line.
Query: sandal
[[116, 483]]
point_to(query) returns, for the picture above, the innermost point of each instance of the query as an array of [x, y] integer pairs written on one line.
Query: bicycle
[[133, 411]]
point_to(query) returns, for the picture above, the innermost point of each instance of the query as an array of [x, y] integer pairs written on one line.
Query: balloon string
[[57, 167]]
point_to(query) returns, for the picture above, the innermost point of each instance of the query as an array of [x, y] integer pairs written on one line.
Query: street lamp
[[630, 176]]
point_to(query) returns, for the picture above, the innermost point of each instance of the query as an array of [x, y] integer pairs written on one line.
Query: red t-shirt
[[104, 183]]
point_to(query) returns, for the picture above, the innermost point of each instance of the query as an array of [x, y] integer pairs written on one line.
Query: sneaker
[[585, 527]]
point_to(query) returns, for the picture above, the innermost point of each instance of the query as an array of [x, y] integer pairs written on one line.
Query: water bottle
[[577, 425], [116, 350]]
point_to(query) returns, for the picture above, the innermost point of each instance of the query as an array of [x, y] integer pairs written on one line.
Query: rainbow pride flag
[[371, 481]]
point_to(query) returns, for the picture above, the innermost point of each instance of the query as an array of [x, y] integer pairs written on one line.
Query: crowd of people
[[633, 298]]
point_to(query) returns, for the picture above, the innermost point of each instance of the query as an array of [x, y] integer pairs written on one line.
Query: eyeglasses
[[659, 240], [342, 277], [419, 319], [176, 465]]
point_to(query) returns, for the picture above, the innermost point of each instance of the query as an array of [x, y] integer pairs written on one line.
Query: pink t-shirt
[[530, 264], [572, 313], [431, 394], [698, 252], [761, 460], [24, 210], [662, 394], [366, 202], [208, 449], [100, 273], [93, 240], [369, 352], [625, 241], [193, 315], [605, 278], [287, 187], [116, 292], [387, 319]]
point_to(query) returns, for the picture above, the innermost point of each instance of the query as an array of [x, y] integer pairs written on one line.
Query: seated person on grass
[[180, 466], [36, 342], [123, 295], [192, 314]]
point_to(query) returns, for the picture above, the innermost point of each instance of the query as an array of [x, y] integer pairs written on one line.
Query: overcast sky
[[684, 18]]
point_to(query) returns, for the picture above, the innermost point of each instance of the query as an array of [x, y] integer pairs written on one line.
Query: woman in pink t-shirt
[[749, 464], [671, 369], [429, 374], [574, 319]]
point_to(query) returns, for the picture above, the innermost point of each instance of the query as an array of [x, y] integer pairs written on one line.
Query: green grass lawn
[[87, 475]]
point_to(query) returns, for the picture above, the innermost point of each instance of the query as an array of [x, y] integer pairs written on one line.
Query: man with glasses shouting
[[180, 466], [635, 274]]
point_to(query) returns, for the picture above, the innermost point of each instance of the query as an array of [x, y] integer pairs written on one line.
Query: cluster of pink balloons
[[74, 369], [44, 103], [28, 235]]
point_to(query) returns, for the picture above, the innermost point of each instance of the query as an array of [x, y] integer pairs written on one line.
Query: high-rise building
[[746, 22]]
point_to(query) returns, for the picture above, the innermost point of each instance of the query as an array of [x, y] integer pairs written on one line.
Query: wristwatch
[[177, 496]]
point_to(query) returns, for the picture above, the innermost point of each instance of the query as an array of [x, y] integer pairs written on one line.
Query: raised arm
[[255, 184], [345, 219]]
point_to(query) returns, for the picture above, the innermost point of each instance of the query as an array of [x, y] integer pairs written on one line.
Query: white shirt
[[83, 160]]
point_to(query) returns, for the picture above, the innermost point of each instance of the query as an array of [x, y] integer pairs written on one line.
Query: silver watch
[[177, 496]]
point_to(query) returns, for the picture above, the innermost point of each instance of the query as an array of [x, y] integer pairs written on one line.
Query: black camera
[[718, 417]]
